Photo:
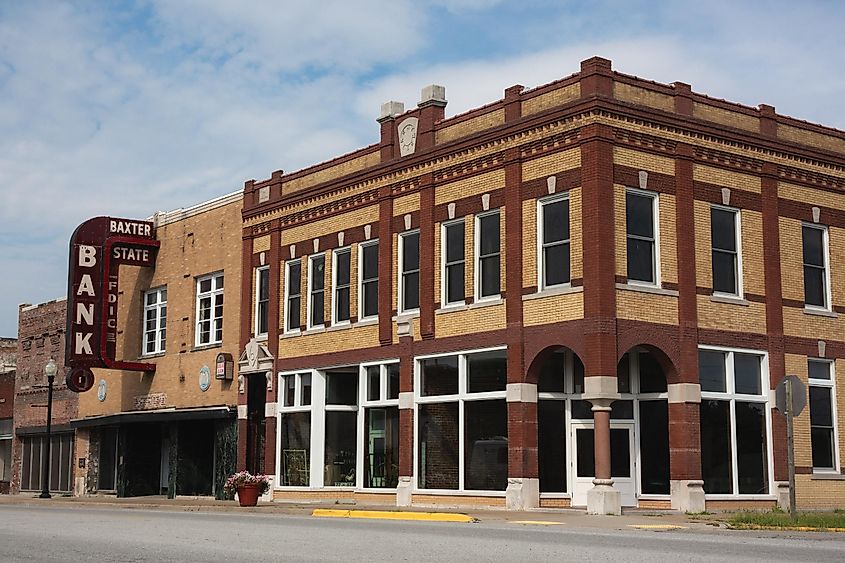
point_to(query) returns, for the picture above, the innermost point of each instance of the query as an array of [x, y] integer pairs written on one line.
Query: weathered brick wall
[[7, 394]]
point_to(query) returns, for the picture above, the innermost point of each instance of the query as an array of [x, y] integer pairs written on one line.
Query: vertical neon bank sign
[[98, 248]]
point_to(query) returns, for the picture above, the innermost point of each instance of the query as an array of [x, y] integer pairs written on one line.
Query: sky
[[127, 108]]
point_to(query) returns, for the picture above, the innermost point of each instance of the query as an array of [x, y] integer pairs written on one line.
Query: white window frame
[[461, 397], [288, 264], [655, 197], [159, 343], [740, 291], [400, 284], [831, 385], [444, 282], [541, 244], [364, 403], [826, 255], [310, 303], [213, 293], [731, 396], [360, 281], [258, 273], [318, 391], [335, 254], [477, 256]]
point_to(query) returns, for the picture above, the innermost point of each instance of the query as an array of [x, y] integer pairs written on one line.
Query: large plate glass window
[[6, 449], [823, 433], [641, 229], [488, 255], [34, 450], [409, 271], [368, 291], [734, 422], [210, 309], [262, 300], [462, 422], [454, 262], [293, 295], [553, 230], [381, 425], [725, 240], [341, 424], [816, 277], [342, 274], [295, 429], [316, 290], [155, 320]]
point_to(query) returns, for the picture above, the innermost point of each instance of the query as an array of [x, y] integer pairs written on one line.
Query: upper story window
[[262, 300], [368, 279], [553, 231], [341, 272], [210, 309], [409, 271], [293, 295], [725, 239], [155, 320], [816, 275], [823, 415], [454, 262], [641, 228], [488, 255], [317, 290]]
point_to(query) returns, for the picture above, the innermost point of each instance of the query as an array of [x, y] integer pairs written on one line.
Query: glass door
[[621, 461]]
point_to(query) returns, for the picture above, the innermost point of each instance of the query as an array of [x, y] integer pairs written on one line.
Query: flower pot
[[248, 495]]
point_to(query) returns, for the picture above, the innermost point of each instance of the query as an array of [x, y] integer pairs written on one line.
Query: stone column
[[603, 498]]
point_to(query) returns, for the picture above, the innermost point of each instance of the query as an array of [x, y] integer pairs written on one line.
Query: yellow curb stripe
[[536, 522], [392, 515], [786, 528], [657, 527]]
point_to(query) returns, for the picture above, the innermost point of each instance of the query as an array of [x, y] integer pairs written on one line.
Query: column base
[[782, 488], [522, 493], [403, 491], [687, 495], [604, 499]]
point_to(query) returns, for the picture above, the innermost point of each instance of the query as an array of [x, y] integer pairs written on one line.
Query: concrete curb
[[783, 528], [389, 515]]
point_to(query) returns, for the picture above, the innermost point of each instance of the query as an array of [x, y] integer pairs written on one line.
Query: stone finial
[[391, 109], [433, 94]]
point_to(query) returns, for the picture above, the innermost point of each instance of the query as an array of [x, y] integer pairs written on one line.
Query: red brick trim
[[385, 267], [685, 237], [427, 265], [564, 181], [628, 176]]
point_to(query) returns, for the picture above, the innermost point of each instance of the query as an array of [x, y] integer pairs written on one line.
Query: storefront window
[[6, 449], [381, 426], [295, 430], [34, 450]]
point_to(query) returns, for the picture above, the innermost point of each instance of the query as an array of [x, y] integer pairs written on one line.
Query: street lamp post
[[50, 371]]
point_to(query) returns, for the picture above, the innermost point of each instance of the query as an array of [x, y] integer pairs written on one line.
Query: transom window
[[368, 290], [210, 309], [488, 255], [823, 416], [454, 262], [641, 228], [293, 295], [155, 320], [317, 291], [409, 271], [816, 277], [553, 230], [342, 282], [725, 237], [262, 300]]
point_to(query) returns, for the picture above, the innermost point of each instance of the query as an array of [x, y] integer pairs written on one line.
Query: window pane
[[551, 452], [305, 389], [716, 446], [264, 283], [439, 376], [410, 252], [556, 264], [582, 410], [814, 290], [620, 452], [711, 371], [551, 379], [640, 260], [411, 290], [381, 447], [370, 262], [821, 406], [317, 308], [639, 215], [723, 229], [578, 375], [490, 243], [488, 371], [813, 246], [652, 379], [318, 277], [218, 282], [340, 449], [455, 286], [371, 299], [342, 305], [623, 374], [290, 386], [342, 388], [724, 272], [586, 452], [490, 276], [293, 313], [438, 446], [295, 438], [486, 445], [751, 448], [455, 242], [747, 374], [654, 447], [5, 460], [822, 439], [819, 370], [294, 279], [342, 274], [393, 381], [205, 285], [373, 383], [556, 221], [622, 410]]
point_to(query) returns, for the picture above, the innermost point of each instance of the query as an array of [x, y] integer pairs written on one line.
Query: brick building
[[564, 297], [41, 336], [8, 360]]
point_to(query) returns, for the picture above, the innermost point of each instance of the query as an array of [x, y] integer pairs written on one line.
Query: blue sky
[[126, 108]]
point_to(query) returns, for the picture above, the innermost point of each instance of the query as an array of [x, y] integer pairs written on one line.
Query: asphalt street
[[58, 533]]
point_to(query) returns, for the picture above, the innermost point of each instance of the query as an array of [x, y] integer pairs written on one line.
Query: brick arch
[[662, 343], [540, 341], [533, 373]]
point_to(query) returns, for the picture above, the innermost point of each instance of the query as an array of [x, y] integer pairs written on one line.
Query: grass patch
[[780, 519]]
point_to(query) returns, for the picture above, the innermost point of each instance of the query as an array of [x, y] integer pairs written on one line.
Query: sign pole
[[790, 439]]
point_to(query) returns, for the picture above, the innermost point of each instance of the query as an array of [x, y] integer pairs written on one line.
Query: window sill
[[486, 302], [654, 290], [202, 347], [342, 326], [823, 476], [152, 356], [729, 299], [314, 330], [367, 322], [552, 291], [452, 307], [820, 312], [291, 334], [407, 316]]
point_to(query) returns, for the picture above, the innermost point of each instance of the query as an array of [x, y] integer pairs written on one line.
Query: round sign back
[[80, 380]]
